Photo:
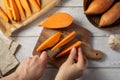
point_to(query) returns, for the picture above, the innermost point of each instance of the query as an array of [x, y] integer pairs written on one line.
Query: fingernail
[[73, 49]]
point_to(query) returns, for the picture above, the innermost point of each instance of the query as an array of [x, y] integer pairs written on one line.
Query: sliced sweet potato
[[57, 20], [99, 6], [67, 50], [64, 41], [39, 3], [112, 15], [14, 9], [35, 4], [3, 15], [8, 9], [26, 6], [21, 10], [51, 41]]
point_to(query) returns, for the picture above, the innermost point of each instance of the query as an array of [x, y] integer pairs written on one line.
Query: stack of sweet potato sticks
[[17, 10]]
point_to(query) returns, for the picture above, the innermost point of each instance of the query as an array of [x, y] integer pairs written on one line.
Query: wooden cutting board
[[82, 35]]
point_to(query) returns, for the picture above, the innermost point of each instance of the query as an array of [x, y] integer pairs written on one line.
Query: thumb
[[43, 57], [72, 56]]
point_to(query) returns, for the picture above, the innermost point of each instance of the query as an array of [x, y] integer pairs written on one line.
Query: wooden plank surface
[[107, 69]]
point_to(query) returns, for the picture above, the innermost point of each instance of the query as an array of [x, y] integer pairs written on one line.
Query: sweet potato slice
[[57, 20], [8, 9], [112, 15], [64, 41], [99, 6], [21, 10], [51, 41], [67, 50], [3, 15], [39, 2], [14, 9], [35, 4], [26, 6]]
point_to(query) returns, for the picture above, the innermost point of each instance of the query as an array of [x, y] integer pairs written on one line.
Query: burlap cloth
[[7, 59]]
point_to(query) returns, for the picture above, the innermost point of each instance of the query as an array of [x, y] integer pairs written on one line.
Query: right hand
[[73, 67]]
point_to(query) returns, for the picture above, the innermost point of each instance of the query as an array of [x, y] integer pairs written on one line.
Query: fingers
[[80, 56], [72, 56]]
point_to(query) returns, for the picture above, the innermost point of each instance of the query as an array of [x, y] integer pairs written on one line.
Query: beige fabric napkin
[[7, 51]]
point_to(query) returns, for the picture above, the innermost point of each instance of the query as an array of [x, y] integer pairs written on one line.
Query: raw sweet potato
[[35, 4], [99, 6], [14, 9], [38, 2], [3, 15], [26, 6], [51, 41], [57, 20], [21, 10], [11, 9], [8, 9], [112, 15], [67, 50], [64, 41]]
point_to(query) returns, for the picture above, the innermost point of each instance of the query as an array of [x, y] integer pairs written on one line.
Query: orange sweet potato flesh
[[3, 15], [51, 41], [112, 15], [57, 20], [26, 6], [14, 9], [35, 4], [11, 9], [8, 9], [67, 50], [39, 2], [21, 10], [99, 6], [64, 41]]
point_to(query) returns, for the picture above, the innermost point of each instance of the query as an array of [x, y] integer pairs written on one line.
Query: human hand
[[73, 67], [32, 68]]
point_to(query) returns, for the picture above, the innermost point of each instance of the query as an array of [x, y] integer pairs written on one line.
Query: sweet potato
[[57, 20], [8, 9], [14, 9], [21, 10], [3, 15], [35, 4], [51, 41], [99, 6], [39, 3], [64, 41], [26, 6], [67, 50], [112, 15]]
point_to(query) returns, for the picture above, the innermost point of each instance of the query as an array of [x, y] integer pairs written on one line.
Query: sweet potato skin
[[112, 15], [98, 7]]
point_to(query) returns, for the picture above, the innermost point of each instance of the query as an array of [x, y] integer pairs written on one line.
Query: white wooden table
[[107, 69]]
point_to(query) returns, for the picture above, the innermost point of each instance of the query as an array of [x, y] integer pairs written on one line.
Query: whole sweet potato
[[112, 15], [98, 6]]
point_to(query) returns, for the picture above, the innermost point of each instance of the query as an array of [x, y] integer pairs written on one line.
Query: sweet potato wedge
[[8, 9], [21, 10], [67, 50], [64, 41], [112, 15], [14, 9], [99, 6], [26, 6], [51, 41], [38, 2], [35, 4], [3, 15], [57, 20]]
